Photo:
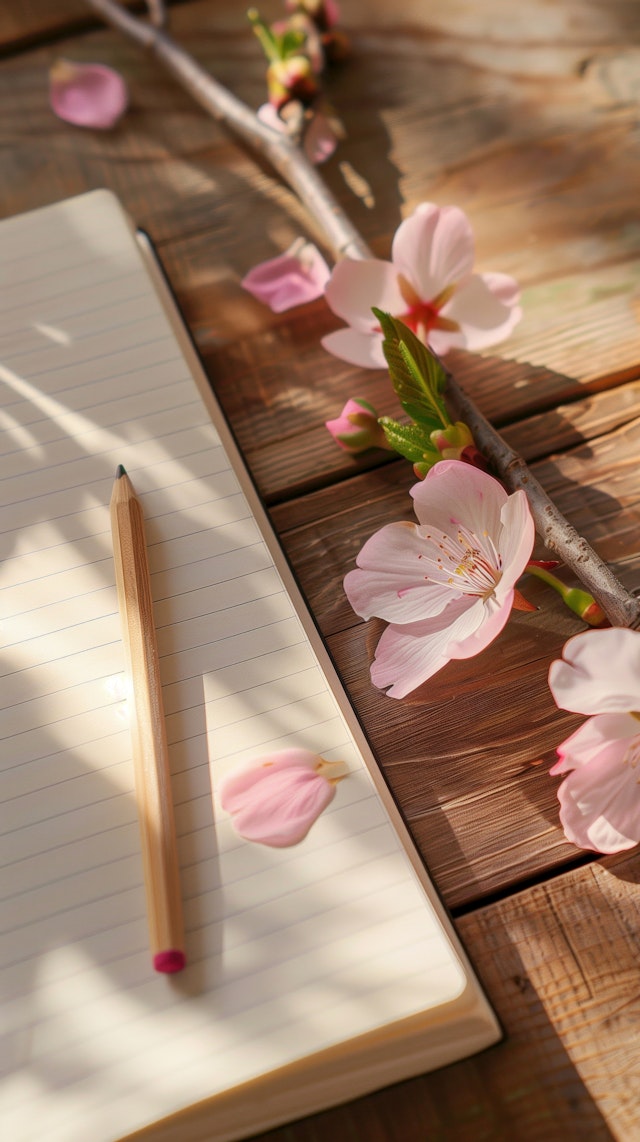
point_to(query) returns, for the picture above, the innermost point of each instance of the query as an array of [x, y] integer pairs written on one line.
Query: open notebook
[[315, 972]]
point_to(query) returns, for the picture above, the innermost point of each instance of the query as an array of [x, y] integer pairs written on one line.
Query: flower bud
[[291, 78], [584, 605], [357, 427], [452, 440]]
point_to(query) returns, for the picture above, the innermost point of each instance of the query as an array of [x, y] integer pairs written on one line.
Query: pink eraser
[[169, 961]]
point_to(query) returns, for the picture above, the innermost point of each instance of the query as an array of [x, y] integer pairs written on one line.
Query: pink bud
[[357, 427], [276, 800], [291, 78], [87, 94]]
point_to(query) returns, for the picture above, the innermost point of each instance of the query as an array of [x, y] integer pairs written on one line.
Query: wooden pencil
[[148, 730]]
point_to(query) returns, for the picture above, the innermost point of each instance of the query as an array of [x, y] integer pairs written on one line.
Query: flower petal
[[320, 139], [389, 581], [363, 349], [599, 672], [406, 656], [268, 115], [592, 738], [483, 317], [600, 802], [356, 286], [454, 492], [276, 800], [494, 619], [291, 279], [87, 94], [517, 537], [434, 248]]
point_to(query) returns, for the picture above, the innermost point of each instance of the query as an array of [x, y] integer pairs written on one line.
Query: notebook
[[317, 971]]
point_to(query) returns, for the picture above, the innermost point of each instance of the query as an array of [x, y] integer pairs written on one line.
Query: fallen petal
[[291, 279], [276, 800], [87, 94]]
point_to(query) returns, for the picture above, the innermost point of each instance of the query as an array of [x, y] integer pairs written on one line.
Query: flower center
[[423, 316], [464, 561]]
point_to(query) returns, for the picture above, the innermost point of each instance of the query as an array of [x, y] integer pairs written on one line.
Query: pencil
[[148, 731]]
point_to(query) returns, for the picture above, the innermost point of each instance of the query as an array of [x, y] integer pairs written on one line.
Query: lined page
[[289, 950]]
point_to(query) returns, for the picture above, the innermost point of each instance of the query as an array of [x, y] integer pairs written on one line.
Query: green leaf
[[417, 376], [410, 440]]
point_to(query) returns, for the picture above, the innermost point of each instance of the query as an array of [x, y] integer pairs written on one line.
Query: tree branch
[[290, 162], [280, 151]]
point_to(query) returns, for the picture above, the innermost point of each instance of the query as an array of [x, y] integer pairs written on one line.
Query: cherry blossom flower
[[291, 279], [357, 427], [275, 800], [429, 284], [599, 675], [446, 586], [87, 94]]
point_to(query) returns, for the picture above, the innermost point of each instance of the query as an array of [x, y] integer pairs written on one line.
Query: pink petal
[[331, 13], [276, 800], [454, 492], [434, 248], [494, 619], [517, 537], [406, 656], [600, 802], [483, 317], [599, 672], [356, 286], [502, 286], [87, 94], [320, 140], [442, 341], [592, 739], [362, 349], [291, 279], [389, 582], [268, 115]]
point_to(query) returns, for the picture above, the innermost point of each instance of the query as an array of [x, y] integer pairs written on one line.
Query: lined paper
[[289, 951]]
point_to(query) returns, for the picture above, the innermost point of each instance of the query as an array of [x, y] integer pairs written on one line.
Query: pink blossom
[[446, 585], [319, 140], [357, 427], [87, 94], [429, 284], [276, 800], [599, 674], [293, 278]]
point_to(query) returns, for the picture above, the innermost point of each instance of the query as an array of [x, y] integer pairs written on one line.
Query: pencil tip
[[120, 471]]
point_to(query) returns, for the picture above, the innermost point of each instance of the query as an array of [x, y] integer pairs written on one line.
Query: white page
[[289, 950]]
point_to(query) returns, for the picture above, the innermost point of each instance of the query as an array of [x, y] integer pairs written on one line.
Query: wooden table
[[526, 116]]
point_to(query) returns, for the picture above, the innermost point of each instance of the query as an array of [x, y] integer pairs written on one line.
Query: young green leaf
[[417, 376], [410, 440]]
